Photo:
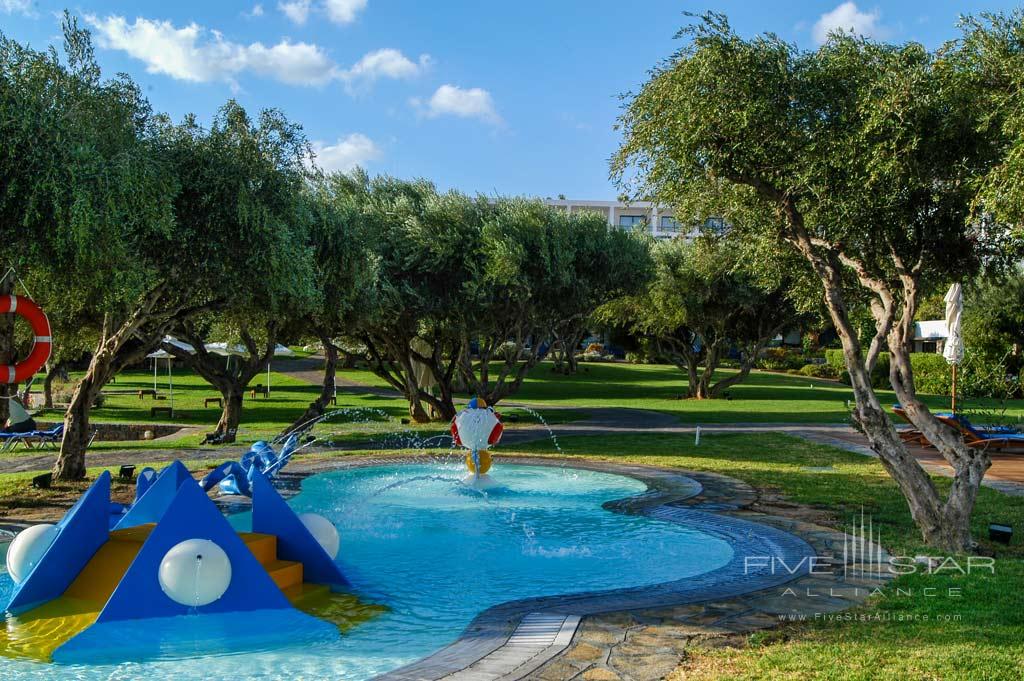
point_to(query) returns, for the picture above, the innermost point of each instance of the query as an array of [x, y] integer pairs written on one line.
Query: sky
[[516, 98]]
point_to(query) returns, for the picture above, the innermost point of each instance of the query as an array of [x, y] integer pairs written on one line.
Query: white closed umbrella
[[953, 350], [160, 354]]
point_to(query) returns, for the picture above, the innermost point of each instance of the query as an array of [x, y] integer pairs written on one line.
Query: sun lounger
[[997, 440], [42, 438]]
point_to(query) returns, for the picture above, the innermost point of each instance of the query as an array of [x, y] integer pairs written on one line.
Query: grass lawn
[[765, 397], [987, 639], [361, 415]]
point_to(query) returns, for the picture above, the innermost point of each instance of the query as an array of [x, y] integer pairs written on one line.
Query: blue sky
[[506, 98]]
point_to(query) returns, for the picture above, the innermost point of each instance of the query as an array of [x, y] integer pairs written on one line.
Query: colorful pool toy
[[171, 554], [235, 477], [477, 427]]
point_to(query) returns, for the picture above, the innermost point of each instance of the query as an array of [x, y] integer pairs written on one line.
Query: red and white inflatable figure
[[477, 427], [33, 314]]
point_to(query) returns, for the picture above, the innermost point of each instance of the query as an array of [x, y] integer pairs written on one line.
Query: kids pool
[[436, 554]]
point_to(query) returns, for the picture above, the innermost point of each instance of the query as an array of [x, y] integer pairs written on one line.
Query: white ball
[[195, 572], [325, 533], [28, 549]]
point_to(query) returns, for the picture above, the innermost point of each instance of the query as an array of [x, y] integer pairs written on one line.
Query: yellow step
[[37, 633], [306, 593], [285, 573], [263, 546]]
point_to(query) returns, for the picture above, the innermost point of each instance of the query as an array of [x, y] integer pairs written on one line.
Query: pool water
[[436, 553]]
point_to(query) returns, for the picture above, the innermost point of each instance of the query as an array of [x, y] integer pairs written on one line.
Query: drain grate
[[538, 629]]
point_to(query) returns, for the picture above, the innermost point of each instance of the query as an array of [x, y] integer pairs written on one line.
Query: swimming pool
[[436, 554]]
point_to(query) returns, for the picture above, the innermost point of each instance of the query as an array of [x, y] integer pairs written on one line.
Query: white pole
[[170, 384], [696, 440], [156, 360], [268, 379]]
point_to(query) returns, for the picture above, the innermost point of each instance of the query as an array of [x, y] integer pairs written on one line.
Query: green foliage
[[85, 191], [834, 358], [701, 303], [856, 133], [820, 371], [991, 52], [780, 359]]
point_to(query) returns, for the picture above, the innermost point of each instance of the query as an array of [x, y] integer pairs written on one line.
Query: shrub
[[780, 359], [820, 371], [594, 348], [592, 357], [834, 358], [932, 374], [978, 375], [879, 377]]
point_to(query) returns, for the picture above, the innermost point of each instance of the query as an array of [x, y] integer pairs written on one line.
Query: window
[[715, 225], [669, 224], [628, 222]]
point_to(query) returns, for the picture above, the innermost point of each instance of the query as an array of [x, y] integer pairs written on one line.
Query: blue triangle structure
[[271, 515], [83, 530], [147, 476], [150, 508], [192, 515]]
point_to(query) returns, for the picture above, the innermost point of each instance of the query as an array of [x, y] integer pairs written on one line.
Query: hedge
[[979, 376]]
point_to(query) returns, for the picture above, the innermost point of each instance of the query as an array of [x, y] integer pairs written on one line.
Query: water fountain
[[477, 427]]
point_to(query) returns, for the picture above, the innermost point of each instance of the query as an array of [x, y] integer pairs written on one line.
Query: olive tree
[[425, 247], [86, 204], [343, 273], [861, 157], [607, 263], [700, 306], [542, 274], [241, 187]]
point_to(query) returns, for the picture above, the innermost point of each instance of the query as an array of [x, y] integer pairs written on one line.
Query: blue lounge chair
[[997, 439], [44, 438]]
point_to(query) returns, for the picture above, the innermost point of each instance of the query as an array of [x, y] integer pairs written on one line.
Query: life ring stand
[[34, 315]]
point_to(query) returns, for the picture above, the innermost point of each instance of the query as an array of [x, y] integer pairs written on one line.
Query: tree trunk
[[416, 410], [944, 526], [70, 464], [56, 369], [231, 414], [317, 407]]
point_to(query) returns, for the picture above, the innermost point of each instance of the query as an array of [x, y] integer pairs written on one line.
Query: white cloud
[[19, 6], [196, 54], [344, 11], [256, 11], [296, 10], [848, 18], [386, 63], [464, 103], [337, 11], [347, 153]]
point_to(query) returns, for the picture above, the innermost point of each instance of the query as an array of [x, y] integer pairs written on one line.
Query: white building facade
[[659, 221]]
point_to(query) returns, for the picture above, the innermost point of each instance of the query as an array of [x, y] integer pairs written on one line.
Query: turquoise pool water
[[436, 554]]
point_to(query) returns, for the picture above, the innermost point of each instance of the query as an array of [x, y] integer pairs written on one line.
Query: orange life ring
[[34, 315]]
